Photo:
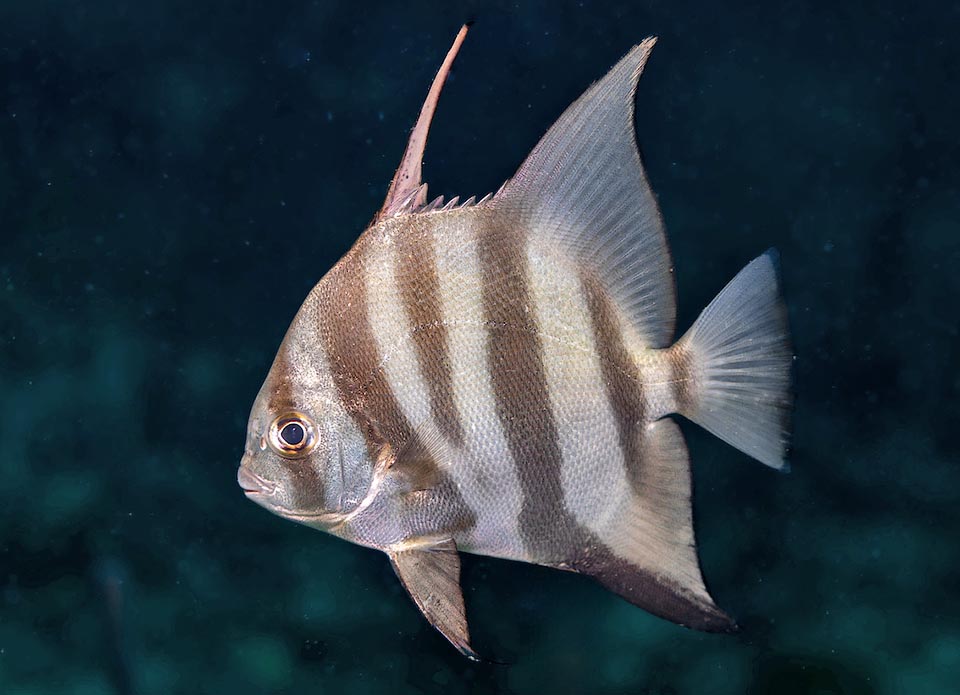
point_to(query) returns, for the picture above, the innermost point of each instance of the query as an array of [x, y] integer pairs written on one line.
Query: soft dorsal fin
[[583, 189], [407, 190]]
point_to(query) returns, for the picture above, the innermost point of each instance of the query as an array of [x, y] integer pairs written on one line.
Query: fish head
[[304, 458]]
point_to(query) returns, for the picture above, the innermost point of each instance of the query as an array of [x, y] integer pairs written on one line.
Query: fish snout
[[253, 484]]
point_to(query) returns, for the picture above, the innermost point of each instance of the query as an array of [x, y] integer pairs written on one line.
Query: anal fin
[[431, 575], [649, 554]]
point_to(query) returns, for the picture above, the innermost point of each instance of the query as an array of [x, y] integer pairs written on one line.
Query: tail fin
[[737, 357]]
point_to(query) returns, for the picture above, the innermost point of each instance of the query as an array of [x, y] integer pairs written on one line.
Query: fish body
[[497, 377]]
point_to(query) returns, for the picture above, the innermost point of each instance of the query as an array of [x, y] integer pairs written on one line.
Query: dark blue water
[[175, 176]]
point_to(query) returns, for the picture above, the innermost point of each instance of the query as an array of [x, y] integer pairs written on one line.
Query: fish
[[500, 377]]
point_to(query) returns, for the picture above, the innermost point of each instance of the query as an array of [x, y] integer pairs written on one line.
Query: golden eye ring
[[292, 435]]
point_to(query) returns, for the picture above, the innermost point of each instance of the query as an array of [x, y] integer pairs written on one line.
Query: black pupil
[[292, 434]]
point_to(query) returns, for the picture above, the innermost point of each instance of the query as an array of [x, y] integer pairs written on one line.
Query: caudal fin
[[737, 359]]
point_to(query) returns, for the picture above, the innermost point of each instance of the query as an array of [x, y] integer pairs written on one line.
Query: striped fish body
[[512, 365], [496, 378]]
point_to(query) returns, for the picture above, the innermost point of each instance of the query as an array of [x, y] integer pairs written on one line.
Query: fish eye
[[292, 435]]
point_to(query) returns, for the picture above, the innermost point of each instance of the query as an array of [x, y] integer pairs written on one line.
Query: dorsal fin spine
[[409, 174]]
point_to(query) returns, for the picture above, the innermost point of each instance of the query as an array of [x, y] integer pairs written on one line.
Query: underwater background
[[174, 178]]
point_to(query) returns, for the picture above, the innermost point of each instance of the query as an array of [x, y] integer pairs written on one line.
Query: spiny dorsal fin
[[438, 204], [407, 180], [435, 204], [431, 575], [582, 189], [409, 202]]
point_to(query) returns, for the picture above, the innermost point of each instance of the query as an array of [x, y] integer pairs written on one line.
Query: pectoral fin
[[415, 462], [431, 575]]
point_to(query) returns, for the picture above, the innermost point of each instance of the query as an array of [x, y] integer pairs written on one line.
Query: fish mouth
[[253, 485], [263, 492]]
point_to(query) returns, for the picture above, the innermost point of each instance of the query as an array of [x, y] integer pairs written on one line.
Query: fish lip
[[253, 485], [263, 492]]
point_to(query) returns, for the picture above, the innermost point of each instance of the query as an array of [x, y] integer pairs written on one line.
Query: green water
[[174, 177]]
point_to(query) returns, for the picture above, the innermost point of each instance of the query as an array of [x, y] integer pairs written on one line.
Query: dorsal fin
[[407, 190], [583, 189]]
